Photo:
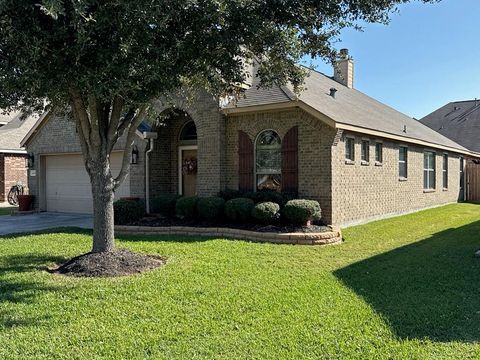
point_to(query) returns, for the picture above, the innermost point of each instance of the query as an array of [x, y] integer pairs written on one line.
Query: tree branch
[[83, 141], [81, 115], [115, 115], [130, 134]]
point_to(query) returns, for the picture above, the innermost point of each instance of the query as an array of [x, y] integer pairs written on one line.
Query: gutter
[[150, 137], [7, 151]]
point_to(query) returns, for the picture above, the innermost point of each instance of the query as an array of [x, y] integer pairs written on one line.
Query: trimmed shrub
[[229, 194], [266, 212], [300, 212], [210, 207], [128, 211], [164, 204], [185, 207], [239, 209], [271, 196]]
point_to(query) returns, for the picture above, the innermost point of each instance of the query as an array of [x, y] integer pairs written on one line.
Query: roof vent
[[333, 91], [405, 129]]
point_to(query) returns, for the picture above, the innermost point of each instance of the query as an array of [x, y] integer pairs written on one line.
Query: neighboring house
[[459, 121], [358, 157], [13, 158]]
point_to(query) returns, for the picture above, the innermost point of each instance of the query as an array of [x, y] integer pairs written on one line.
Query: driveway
[[43, 221]]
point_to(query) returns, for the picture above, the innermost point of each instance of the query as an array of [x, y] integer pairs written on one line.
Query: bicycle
[[15, 190]]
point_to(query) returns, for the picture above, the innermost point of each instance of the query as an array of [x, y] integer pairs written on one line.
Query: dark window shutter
[[245, 162], [290, 161]]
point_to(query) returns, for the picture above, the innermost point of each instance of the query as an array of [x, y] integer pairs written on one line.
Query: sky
[[428, 56]]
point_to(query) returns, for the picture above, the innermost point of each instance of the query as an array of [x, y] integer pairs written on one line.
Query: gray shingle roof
[[459, 121], [350, 107], [12, 133]]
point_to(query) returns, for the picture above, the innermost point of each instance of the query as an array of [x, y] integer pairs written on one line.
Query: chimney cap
[[343, 54]]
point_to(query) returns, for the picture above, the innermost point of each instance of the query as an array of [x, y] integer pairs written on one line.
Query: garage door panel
[[68, 184]]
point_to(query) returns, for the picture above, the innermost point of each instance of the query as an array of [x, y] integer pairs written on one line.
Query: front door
[[188, 172]]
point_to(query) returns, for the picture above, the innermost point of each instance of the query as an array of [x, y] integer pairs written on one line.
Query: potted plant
[[25, 202]]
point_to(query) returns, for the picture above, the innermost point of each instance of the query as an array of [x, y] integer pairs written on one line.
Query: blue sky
[[426, 57]]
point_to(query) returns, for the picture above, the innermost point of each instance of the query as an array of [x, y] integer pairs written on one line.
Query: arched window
[[189, 132], [268, 161]]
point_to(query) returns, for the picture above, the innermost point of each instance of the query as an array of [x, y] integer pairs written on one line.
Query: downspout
[[151, 136]]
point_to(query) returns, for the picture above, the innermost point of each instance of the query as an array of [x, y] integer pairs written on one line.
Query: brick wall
[[315, 140], [12, 170], [203, 109], [368, 191], [58, 135]]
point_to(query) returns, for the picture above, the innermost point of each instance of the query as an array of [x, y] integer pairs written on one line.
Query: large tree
[[104, 61]]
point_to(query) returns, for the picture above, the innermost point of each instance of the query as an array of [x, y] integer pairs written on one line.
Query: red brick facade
[[12, 169]]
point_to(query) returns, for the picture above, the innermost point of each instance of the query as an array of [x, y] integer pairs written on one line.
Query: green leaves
[[143, 49]]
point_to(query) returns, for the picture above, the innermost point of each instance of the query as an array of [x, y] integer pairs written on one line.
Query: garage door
[[68, 184]]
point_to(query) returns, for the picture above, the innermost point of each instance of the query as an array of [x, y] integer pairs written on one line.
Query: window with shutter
[[245, 162], [290, 161]]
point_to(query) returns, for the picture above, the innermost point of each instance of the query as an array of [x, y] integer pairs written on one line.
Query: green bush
[[210, 207], [229, 194], [239, 209], [186, 207], [299, 212], [128, 211], [266, 212], [164, 204], [276, 197]]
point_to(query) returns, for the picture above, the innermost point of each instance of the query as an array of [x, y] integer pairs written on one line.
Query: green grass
[[6, 210], [403, 288]]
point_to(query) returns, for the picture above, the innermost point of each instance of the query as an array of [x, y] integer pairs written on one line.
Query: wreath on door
[[189, 166]]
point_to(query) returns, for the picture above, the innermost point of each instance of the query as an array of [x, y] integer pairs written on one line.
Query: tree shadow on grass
[[426, 290], [15, 289]]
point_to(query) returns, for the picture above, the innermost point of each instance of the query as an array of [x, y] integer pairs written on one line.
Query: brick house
[[358, 157], [13, 158]]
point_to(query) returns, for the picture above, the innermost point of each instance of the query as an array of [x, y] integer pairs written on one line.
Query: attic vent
[[333, 91], [455, 108]]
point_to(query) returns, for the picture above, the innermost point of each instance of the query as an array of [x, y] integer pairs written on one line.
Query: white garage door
[[68, 184]]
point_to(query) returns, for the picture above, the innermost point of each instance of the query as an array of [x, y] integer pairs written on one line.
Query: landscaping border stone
[[324, 238]]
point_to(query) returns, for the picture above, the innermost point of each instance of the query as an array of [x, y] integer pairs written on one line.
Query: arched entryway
[[187, 159], [174, 160]]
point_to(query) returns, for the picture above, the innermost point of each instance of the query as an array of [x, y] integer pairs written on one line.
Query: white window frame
[[379, 162], [365, 154], [428, 170], [347, 159], [403, 162], [445, 174], [255, 173]]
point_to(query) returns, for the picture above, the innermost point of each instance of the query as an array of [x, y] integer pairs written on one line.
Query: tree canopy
[[143, 48]]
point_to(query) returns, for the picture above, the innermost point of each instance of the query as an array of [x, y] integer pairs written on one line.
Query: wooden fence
[[472, 174]]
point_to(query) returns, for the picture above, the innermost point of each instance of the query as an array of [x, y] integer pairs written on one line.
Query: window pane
[[425, 179], [403, 170], [349, 149], [365, 150], [268, 160], [445, 180], [378, 152], [431, 179], [425, 160]]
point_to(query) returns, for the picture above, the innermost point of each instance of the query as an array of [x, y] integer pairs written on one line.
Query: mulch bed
[[163, 221], [120, 262]]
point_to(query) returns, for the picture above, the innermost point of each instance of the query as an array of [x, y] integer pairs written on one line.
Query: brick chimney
[[343, 69]]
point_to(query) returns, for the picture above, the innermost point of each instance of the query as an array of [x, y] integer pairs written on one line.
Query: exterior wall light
[[30, 161], [134, 157]]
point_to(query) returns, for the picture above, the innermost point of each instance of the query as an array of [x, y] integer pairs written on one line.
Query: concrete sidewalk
[[43, 221]]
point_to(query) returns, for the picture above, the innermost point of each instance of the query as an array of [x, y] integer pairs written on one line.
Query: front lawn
[[402, 288]]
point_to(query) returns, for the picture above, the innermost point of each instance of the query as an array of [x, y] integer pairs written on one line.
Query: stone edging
[[323, 238]]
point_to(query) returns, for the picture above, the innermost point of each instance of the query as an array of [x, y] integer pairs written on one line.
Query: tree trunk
[[103, 195]]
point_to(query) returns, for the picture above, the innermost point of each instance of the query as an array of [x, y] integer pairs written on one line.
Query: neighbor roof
[[14, 131], [459, 121], [350, 109]]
